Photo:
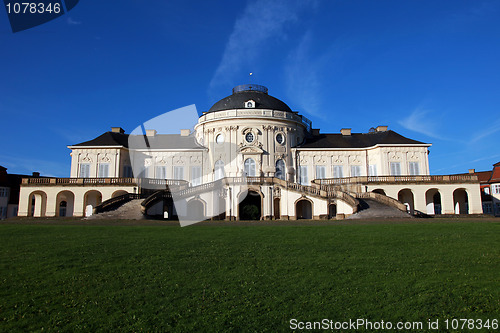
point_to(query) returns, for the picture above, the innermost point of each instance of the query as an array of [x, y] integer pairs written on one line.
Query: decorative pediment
[[251, 150]]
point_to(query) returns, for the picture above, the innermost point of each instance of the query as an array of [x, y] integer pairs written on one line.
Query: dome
[[250, 92]]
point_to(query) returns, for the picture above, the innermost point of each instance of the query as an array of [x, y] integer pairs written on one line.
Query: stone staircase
[[371, 209], [129, 211]]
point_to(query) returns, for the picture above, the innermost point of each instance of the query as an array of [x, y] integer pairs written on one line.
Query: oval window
[[249, 137], [280, 138], [219, 138]]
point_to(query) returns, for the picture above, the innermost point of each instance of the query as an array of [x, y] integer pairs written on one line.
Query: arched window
[[280, 169], [250, 167], [219, 170]]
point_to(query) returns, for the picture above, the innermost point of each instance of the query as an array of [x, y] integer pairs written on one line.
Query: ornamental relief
[[319, 159], [87, 159], [354, 159], [196, 159], [413, 156], [105, 159], [394, 155], [279, 157], [178, 160], [276, 191], [280, 148], [337, 159], [161, 160]]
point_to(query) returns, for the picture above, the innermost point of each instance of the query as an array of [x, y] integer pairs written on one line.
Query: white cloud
[[261, 21], [486, 132], [421, 121], [70, 21], [305, 75]]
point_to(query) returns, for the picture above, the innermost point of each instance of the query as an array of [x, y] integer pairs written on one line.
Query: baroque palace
[[250, 157]]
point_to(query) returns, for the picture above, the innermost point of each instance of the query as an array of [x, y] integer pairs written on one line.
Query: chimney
[[185, 132], [472, 170], [150, 132], [315, 131], [381, 128], [345, 131], [36, 174], [117, 130]]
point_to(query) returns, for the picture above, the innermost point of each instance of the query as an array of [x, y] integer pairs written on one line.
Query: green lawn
[[244, 278]]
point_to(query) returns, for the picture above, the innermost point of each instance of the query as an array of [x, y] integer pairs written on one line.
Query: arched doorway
[[118, 193], [379, 191], [303, 209], [195, 210], [220, 213], [250, 207], [92, 199], [277, 210], [37, 204], [406, 197], [65, 203], [433, 201], [461, 201], [332, 211]]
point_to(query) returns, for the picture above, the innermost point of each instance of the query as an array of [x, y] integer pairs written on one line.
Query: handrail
[[115, 202], [160, 194], [382, 199], [395, 179], [310, 190]]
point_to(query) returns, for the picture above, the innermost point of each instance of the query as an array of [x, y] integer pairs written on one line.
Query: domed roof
[[250, 92]]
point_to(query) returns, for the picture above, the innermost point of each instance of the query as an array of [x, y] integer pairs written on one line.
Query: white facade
[[252, 143]]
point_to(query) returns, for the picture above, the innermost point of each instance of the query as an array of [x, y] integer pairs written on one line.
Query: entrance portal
[[250, 207]]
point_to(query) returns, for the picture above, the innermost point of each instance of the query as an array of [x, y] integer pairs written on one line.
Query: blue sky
[[429, 70]]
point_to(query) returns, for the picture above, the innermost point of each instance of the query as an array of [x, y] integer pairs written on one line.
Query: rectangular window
[[196, 175], [395, 169], [161, 172], [338, 171], [495, 189], [178, 172], [127, 171], [103, 170], [3, 192], [355, 170], [304, 180], [414, 169], [320, 171], [372, 170], [84, 170], [487, 190], [487, 208]]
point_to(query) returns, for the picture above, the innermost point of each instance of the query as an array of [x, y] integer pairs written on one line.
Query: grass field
[[245, 278]]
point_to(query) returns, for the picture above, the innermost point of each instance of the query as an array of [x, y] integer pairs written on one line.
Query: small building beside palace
[[250, 157], [490, 189]]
